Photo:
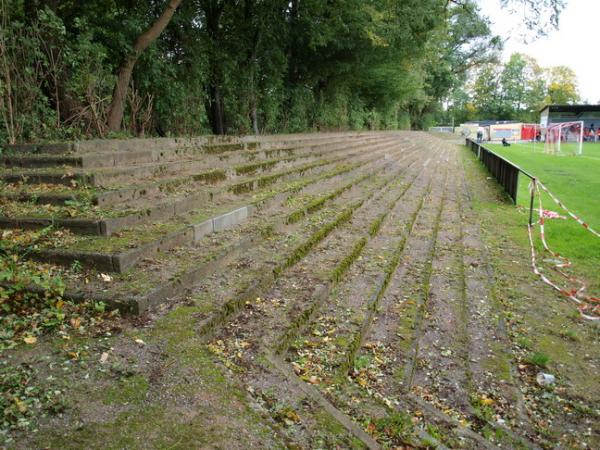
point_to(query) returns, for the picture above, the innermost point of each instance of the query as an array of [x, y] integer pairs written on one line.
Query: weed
[[570, 335], [362, 362], [31, 300], [538, 359], [524, 343], [76, 266], [481, 408], [395, 428], [267, 231], [435, 432]]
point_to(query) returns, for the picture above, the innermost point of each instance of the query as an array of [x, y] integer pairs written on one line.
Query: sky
[[574, 44]]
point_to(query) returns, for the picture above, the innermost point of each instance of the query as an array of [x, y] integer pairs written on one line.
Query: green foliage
[[396, 428], [515, 90], [22, 399], [235, 67], [31, 294], [538, 359], [483, 409]]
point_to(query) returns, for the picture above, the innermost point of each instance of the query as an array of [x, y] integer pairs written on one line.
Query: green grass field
[[575, 180]]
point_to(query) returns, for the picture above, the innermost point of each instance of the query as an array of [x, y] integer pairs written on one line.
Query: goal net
[[564, 138]]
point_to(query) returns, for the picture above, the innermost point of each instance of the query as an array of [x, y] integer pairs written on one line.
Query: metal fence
[[505, 172]]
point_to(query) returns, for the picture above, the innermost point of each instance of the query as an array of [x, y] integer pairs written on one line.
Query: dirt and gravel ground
[[401, 314]]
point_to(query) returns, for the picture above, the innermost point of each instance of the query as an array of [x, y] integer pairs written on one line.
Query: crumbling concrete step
[[170, 207], [98, 170], [139, 192], [122, 261]]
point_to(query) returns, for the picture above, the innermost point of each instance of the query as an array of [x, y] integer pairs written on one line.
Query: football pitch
[[575, 180]]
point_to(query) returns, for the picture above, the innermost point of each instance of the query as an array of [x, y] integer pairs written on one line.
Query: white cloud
[[574, 44]]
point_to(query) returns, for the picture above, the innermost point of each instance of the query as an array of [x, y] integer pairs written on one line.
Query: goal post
[[559, 134]]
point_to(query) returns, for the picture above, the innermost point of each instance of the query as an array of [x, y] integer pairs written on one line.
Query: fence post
[[533, 189]]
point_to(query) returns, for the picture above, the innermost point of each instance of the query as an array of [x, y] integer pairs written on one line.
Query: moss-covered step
[[57, 195], [171, 207], [119, 262], [163, 238], [115, 153], [126, 171]]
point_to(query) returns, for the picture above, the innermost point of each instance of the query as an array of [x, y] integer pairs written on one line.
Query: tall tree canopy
[[515, 90], [176, 67]]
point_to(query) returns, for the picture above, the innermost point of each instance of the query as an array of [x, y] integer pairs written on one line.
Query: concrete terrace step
[[120, 259], [168, 206], [152, 221], [187, 267], [109, 153], [133, 171], [97, 196]]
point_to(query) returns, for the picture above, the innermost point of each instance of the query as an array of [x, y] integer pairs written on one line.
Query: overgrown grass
[[538, 359], [575, 181]]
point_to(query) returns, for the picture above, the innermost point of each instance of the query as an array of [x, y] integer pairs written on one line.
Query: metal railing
[[505, 171]]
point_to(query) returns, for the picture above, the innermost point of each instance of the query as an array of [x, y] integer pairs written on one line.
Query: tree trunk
[[216, 108], [294, 69], [213, 11], [254, 29], [117, 105], [254, 112]]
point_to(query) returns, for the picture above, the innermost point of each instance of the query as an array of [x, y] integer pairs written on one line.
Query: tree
[[463, 44], [514, 85], [487, 93], [117, 105], [562, 86], [240, 66], [516, 90]]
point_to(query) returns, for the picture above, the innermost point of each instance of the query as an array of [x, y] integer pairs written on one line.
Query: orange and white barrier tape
[[574, 216], [589, 307]]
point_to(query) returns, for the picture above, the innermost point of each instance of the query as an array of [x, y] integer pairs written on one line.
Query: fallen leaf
[[293, 416], [76, 322], [106, 278], [486, 401], [30, 339], [103, 357], [21, 406], [140, 342]]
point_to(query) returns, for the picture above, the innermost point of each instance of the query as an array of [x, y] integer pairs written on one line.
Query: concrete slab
[[202, 229], [230, 219]]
